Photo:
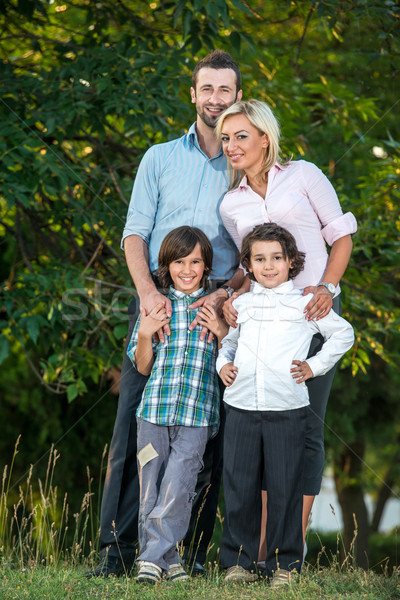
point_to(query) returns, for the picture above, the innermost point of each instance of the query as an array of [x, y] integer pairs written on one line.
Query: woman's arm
[[321, 303], [338, 260]]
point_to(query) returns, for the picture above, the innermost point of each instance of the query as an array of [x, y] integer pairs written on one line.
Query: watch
[[228, 290], [330, 287]]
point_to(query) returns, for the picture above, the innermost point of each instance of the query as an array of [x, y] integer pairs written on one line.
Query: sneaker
[[238, 573], [177, 573], [149, 573], [110, 565], [281, 577]]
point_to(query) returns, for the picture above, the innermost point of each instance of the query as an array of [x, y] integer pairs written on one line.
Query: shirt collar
[[193, 141], [243, 182], [177, 295], [285, 288]]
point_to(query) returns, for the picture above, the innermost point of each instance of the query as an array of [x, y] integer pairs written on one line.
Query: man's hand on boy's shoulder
[[207, 317], [215, 300]]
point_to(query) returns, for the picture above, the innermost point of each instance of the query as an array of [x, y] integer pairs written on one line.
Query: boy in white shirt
[[262, 364]]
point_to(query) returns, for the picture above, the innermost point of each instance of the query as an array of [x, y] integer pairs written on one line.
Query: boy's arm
[[143, 353], [228, 348], [144, 356], [339, 338]]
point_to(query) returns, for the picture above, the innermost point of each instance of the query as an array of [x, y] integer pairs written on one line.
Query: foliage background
[[86, 88]]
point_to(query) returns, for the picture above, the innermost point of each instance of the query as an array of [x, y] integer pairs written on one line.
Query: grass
[[45, 549], [59, 583]]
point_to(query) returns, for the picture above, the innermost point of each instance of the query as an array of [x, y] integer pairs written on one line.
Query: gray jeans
[[169, 460]]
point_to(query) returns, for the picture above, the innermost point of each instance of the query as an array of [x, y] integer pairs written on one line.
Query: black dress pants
[[267, 444], [120, 502]]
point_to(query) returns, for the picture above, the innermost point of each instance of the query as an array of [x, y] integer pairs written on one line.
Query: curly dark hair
[[271, 232], [177, 244], [219, 59]]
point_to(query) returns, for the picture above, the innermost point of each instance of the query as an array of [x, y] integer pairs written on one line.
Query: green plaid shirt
[[183, 385]]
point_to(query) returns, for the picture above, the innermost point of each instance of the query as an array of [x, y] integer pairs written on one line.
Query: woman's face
[[243, 144]]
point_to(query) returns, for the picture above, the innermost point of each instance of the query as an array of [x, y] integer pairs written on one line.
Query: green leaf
[[72, 392], [4, 348], [120, 331]]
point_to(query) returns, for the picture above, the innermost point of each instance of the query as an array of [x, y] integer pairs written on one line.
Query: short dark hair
[[219, 59], [177, 244], [271, 232]]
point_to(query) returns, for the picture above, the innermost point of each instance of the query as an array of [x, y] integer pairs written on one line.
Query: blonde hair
[[260, 116]]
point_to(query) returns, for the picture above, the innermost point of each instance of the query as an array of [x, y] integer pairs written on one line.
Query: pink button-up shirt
[[300, 198]]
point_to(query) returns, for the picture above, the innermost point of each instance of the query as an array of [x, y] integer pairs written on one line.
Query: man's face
[[215, 92]]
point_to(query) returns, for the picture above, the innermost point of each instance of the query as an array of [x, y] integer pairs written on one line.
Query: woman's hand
[[320, 304], [228, 374]]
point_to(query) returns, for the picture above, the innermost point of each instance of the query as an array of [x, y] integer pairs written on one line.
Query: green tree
[[87, 87]]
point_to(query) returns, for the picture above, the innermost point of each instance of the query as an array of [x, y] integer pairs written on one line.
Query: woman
[[295, 195]]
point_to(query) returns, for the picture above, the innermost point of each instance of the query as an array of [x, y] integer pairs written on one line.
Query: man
[[178, 183]]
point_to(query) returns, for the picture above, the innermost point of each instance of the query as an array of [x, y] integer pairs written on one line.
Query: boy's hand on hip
[[228, 374], [301, 371]]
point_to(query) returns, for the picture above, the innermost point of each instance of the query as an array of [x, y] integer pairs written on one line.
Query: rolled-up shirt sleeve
[[326, 205], [344, 225], [144, 199], [131, 351]]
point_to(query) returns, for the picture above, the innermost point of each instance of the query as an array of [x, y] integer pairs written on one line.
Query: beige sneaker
[[281, 577], [238, 573], [177, 573]]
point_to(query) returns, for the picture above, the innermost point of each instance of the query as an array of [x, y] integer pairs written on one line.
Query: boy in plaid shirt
[[179, 410]]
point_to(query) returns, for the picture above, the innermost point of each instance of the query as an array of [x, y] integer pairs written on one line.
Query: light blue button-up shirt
[[177, 184]]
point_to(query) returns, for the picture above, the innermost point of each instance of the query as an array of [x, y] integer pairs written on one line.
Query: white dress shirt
[[300, 198], [272, 332]]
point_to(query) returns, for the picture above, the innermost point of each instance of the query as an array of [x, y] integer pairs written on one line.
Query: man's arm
[[216, 300], [137, 259]]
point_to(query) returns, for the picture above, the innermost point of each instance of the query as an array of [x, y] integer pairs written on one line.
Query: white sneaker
[[280, 578], [149, 572]]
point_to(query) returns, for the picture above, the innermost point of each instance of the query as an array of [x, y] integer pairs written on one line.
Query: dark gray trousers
[[120, 503], [318, 390], [265, 445]]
